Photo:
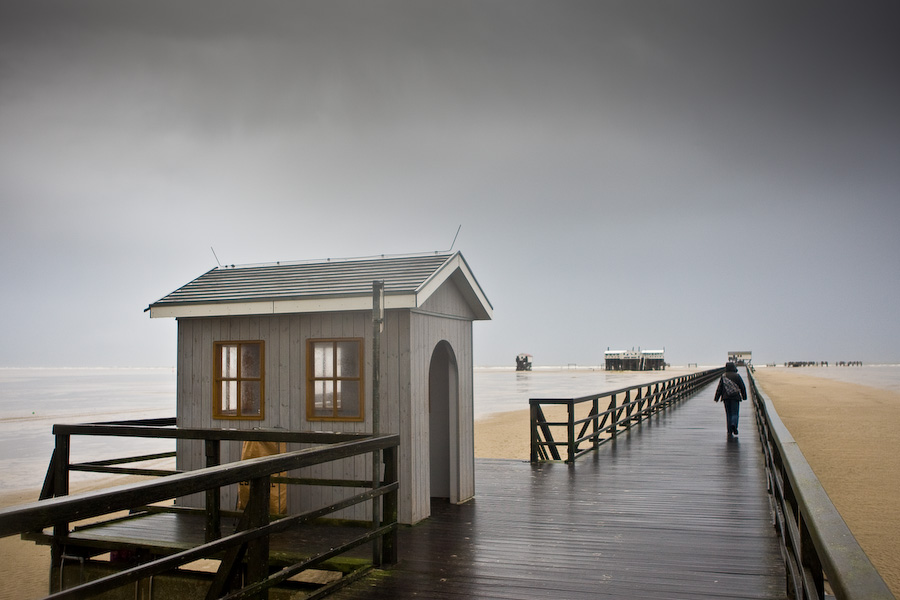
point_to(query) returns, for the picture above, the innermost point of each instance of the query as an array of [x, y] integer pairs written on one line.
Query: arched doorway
[[443, 430]]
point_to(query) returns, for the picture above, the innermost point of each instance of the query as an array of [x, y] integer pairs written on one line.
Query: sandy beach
[[847, 433], [849, 436], [25, 566]]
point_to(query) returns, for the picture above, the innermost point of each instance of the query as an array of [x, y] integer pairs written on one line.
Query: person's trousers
[[732, 412]]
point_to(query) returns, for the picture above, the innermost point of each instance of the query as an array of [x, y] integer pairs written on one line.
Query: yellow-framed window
[[334, 379], [239, 380]]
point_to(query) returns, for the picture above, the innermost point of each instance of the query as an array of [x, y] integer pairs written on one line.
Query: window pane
[[348, 400], [324, 398], [229, 362], [250, 360], [324, 360], [348, 359], [229, 398], [250, 399]]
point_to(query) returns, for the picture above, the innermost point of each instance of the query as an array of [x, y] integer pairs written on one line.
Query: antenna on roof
[[455, 236], [216, 257]]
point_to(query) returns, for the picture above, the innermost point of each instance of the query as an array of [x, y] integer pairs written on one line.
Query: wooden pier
[[671, 509]]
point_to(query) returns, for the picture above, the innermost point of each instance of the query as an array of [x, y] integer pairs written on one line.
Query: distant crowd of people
[[824, 363]]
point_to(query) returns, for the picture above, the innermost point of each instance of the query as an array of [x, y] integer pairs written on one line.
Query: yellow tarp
[[278, 493]]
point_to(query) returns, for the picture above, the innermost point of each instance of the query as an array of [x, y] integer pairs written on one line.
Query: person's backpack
[[729, 388]]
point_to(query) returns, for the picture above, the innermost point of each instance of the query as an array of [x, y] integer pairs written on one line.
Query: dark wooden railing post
[[377, 508], [390, 506], [638, 404], [213, 496], [60, 487], [61, 477], [811, 565], [535, 454], [570, 428], [258, 516], [629, 408], [614, 421], [595, 407]]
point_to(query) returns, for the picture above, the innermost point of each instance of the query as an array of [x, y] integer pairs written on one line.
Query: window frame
[[311, 380], [218, 379]]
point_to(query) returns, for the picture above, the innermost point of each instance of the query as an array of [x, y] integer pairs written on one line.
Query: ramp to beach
[[673, 508]]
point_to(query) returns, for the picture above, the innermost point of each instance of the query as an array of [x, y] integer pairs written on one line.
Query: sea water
[[33, 400]]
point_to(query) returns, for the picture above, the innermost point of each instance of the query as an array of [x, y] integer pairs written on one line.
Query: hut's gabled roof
[[322, 286]]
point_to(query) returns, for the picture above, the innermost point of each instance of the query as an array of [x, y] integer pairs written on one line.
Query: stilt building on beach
[[635, 360], [740, 357]]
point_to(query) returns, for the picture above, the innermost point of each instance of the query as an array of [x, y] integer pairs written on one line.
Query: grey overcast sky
[[697, 175]]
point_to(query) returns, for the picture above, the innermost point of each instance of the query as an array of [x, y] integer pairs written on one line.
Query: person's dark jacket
[[731, 373]]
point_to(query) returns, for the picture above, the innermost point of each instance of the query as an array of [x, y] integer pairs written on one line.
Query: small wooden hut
[[289, 346]]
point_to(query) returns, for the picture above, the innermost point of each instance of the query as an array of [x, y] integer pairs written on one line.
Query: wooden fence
[[242, 554], [625, 408], [817, 545]]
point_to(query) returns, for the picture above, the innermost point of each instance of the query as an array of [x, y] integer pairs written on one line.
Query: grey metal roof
[[315, 280]]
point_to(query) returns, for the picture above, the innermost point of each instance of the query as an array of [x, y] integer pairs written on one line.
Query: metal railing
[[817, 545], [624, 408], [246, 550]]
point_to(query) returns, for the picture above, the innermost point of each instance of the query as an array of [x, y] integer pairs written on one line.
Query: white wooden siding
[[408, 342]]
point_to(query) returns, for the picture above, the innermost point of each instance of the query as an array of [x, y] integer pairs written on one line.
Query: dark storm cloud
[[692, 137]]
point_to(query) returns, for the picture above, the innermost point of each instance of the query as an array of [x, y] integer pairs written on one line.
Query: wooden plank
[[672, 509]]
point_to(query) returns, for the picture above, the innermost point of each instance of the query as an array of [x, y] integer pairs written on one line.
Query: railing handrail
[[814, 535], [164, 429], [658, 395], [597, 396], [250, 539], [75, 507]]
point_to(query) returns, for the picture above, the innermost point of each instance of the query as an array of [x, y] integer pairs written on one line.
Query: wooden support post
[[258, 549], [61, 480], [789, 504], [391, 504], [213, 497], [595, 407], [60, 487], [614, 421], [377, 329], [628, 409], [810, 566], [570, 428], [640, 404]]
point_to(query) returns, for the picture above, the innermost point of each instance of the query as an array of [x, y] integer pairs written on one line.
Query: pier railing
[[817, 545], [625, 407], [246, 551]]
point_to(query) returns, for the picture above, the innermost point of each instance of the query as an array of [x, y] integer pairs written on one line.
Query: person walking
[[731, 390]]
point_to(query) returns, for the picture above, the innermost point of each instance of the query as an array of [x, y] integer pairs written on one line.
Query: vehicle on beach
[[523, 362]]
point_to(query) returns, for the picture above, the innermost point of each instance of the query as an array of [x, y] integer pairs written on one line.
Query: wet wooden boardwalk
[[673, 509]]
